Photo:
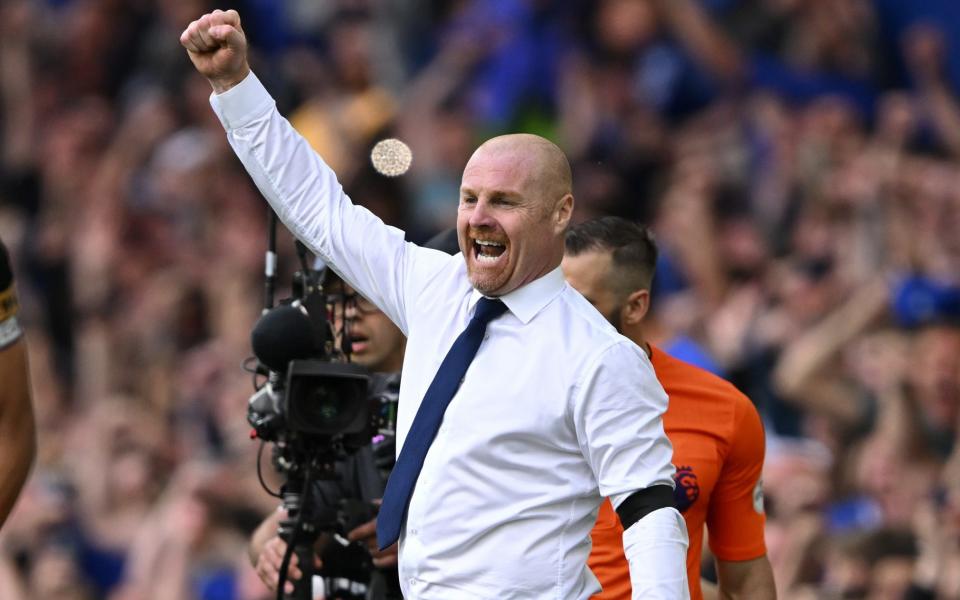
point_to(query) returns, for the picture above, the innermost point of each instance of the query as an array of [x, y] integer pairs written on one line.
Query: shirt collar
[[526, 301]]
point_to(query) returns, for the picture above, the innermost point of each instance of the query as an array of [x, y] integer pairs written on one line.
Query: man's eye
[[468, 200]]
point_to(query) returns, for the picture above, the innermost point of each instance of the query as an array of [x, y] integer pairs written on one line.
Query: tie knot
[[489, 309]]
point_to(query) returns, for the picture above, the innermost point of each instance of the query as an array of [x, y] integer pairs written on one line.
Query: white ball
[[391, 157]]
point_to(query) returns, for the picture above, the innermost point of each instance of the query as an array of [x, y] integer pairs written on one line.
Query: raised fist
[[217, 47]]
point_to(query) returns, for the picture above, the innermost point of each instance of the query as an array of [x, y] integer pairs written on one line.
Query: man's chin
[[488, 286]]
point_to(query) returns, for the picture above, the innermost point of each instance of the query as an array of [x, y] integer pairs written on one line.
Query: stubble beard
[[487, 283]]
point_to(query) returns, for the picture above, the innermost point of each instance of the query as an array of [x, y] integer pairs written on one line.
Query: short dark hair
[[632, 247]]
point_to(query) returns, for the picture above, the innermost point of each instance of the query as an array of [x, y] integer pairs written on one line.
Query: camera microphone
[[283, 334]]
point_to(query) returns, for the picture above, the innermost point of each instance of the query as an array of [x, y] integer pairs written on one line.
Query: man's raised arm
[[302, 189]]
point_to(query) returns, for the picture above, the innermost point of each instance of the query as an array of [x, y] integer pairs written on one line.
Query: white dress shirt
[[556, 411]]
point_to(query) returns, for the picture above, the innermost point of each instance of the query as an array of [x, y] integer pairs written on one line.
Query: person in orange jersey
[[717, 436]]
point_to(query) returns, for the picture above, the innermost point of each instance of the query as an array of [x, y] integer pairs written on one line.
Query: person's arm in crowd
[[178, 539], [146, 122], [578, 104], [690, 233], [936, 545], [181, 526], [899, 418], [12, 585], [17, 427], [428, 90], [302, 189], [801, 374], [16, 85], [176, 564], [708, 45], [924, 50]]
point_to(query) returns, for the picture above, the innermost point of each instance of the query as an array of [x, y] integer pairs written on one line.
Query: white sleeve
[[307, 197], [656, 549], [618, 418]]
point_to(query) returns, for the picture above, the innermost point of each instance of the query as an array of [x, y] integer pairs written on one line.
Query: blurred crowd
[[796, 159]]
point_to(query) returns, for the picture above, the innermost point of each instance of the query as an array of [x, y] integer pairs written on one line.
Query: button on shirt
[[556, 410]]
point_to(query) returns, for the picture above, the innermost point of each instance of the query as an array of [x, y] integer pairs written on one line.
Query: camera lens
[[327, 399]]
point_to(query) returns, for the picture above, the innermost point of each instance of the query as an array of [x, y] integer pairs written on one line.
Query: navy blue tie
[[425, 425]]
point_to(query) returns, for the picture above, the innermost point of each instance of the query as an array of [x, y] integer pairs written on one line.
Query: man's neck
[[635, 335]]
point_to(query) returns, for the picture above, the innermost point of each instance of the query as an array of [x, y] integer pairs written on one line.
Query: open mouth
[[488, 250], [358, 344]]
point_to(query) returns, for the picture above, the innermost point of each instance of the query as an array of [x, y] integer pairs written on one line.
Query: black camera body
[[316, 398], [312, 392], [326, 398]]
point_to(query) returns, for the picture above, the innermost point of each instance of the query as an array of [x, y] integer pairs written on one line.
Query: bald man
[[521, 408]]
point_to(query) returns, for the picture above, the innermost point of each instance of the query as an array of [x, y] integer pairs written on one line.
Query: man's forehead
[[518, 165], [506, 160], [510, 173]]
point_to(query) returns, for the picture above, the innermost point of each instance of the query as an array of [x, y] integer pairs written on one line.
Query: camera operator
[[377, 344], [17, 429]]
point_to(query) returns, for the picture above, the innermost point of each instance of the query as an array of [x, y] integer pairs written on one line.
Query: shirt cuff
[[656, 550], [242, 104]]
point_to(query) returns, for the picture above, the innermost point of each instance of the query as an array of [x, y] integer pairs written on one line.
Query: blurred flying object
[[391, 157]]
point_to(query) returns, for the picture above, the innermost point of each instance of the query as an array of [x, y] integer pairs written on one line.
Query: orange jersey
[[718, 449]]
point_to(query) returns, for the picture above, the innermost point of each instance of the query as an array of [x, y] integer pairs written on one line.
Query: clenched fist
[[217, 47]]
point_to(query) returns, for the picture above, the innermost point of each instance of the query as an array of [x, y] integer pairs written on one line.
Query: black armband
[[644, 502]]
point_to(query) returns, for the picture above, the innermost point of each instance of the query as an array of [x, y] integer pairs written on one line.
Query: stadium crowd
[[796, 159]]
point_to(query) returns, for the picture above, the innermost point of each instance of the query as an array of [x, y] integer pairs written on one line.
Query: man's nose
[[480, 216]]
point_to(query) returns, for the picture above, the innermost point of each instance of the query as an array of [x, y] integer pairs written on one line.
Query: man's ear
[[563, 212], [636, 307]]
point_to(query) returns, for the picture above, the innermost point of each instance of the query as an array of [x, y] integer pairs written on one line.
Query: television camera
[[319, 411]]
